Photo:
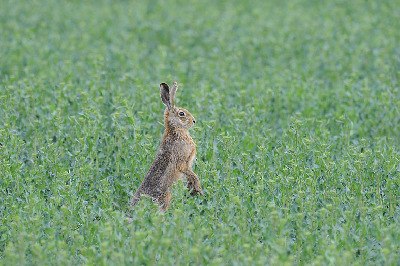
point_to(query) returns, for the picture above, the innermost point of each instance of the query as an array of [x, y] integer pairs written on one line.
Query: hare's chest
[[184, 149]]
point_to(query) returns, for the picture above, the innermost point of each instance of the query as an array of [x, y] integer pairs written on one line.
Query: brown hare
[[175, 155]]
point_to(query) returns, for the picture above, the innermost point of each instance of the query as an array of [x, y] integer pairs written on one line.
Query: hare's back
[[151, 183]]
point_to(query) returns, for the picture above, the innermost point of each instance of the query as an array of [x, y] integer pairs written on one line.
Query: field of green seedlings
[[298, 131]]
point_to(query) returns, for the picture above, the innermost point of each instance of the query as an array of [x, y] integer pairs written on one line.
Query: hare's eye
[[181, 113]]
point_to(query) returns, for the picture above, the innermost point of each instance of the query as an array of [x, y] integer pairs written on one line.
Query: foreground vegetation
[[298, 111]]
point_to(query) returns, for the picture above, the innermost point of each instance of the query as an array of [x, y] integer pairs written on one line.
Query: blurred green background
[[298, 110]]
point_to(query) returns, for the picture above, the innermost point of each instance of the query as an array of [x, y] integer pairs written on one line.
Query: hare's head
[[175, 117]]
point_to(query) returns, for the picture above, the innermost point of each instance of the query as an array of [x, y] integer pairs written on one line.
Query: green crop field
[[298, 131]]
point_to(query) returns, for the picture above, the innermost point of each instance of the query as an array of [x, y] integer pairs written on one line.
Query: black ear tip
[[165, 85]]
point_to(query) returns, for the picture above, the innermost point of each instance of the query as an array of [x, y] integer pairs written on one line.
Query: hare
[[175, 155]]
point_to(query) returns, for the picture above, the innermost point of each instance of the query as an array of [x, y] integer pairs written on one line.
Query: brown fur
[[175, 155]]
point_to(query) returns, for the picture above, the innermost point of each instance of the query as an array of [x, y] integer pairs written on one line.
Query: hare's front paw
[[196, 190]]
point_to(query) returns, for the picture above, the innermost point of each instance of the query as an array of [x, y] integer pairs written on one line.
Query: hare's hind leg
[[164, 201], [135, 199]]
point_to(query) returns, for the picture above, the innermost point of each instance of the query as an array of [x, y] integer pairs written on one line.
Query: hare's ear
[[165, 96], [172, 93]]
